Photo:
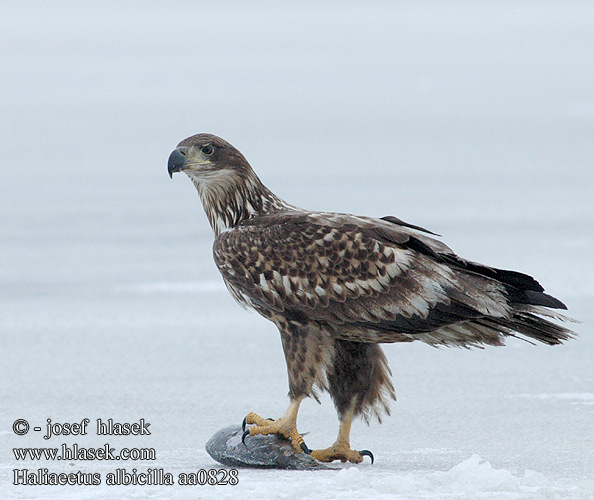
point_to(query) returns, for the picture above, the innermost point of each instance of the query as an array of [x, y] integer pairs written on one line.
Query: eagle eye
[[207, 150]]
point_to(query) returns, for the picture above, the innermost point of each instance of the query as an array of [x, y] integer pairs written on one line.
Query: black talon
[[244, 423], [305, 449], [271, 419], [243, 436], [367, 453]]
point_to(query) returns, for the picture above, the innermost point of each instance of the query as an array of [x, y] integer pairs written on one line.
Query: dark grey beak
[[177, 160]]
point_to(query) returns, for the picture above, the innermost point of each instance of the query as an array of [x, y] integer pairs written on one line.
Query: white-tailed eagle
[[337, 285]]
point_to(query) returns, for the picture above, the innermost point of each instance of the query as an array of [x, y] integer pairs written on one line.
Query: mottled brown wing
[[356, 274]]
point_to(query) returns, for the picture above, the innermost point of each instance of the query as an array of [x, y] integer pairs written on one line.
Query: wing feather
[[367, 279]]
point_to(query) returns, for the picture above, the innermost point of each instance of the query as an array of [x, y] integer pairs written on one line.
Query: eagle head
[[206, 158], [228, 187]]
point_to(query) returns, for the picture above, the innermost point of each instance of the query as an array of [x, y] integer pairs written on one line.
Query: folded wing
[[378, 280]]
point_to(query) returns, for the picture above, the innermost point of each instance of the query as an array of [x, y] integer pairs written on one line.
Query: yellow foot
[[341, 452], [283, 426]]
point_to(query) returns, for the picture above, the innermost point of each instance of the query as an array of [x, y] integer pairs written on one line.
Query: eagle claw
[[366, 453], [244, 422], [305, 449], [243, 436]]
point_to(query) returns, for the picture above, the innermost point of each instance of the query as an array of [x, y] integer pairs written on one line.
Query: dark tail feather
[[541, 299], [520, 288], [532, 326]]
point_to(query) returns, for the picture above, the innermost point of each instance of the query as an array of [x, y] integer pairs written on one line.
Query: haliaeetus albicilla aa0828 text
[[337, 285]]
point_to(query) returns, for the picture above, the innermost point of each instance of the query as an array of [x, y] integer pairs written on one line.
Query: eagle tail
[[528, 300], [531, 308], [530, 326], [520, 288]]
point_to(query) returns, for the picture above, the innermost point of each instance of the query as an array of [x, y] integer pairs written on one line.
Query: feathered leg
[[359, 383], [308, 353]]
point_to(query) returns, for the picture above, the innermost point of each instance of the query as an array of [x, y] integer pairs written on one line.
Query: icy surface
[[474, 121]]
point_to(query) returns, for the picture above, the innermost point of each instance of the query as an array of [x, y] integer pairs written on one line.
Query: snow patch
[[473, 478], [584, 398]]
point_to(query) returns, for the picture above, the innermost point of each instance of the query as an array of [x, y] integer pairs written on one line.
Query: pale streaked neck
[[229, 201]]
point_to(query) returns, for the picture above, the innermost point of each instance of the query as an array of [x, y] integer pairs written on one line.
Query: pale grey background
[[474, 119]]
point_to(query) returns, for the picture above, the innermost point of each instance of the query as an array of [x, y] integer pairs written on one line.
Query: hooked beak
[[177, 161]]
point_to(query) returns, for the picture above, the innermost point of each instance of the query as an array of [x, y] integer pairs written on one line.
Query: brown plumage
[[336, 285]]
